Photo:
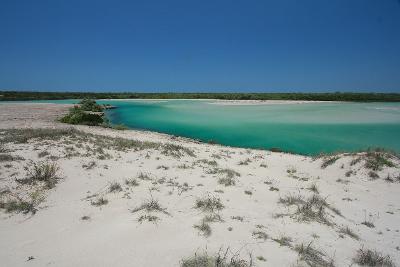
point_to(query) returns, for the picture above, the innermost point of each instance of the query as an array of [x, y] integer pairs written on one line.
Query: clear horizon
[[178, 46]]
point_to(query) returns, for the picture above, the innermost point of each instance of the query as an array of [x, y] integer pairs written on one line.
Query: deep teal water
[[301, 128]]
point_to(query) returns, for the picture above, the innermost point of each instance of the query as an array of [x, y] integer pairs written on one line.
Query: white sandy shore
[[231, 102], [112, 235]]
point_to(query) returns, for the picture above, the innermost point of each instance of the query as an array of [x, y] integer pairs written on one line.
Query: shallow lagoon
[[309, 128]]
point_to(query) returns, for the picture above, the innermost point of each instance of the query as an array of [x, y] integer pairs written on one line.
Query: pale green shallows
[[301, 128]]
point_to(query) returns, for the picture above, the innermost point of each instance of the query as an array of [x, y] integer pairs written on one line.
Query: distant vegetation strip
[[338, 96]]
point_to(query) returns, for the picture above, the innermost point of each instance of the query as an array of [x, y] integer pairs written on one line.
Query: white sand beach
[[138, 198]]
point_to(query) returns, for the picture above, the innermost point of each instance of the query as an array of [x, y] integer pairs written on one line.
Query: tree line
[[337, 96]]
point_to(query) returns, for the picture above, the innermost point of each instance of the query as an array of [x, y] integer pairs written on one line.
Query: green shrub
[[79, 116], [90, 105]]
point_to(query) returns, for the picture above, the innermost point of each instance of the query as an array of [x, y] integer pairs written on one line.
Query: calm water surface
[[302, 128]]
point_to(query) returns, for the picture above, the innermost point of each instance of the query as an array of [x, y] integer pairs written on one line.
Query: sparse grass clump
[[368, 224], [314, 188], [312, 256], [148, 218], [151, 205], [42, 154], [17, 206], [227, 181], [12, 203], [348, 173], [291, 200], [45, 172], [284, 241], [208, 162], [258, 234], [261, 258], [366, 257], [209, 204], [218, 260], [373, 175], [143, 176], [229, 173], [114, 187], [204, 228], [245, 162], [238, 218], [100, 202], [311, 209], [376, 160], [347, 231], [329, 161], [132, 182], [176, 151], [8, 157]]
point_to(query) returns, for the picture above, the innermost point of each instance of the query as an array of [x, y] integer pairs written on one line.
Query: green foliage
[[90, 105], [79, 116], [337, 96]]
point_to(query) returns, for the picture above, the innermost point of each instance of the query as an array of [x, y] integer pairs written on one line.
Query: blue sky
[[207, 46]]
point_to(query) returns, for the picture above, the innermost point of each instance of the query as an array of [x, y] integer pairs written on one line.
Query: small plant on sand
[[148, 218], [312, 256], [221, 259], [227, 181], [132, 182], [347, 231], [114, 187], [247, 192], [6, 157], [245, 162], [204, 228], [258, 234], [209, 204], [373, 175], [229, 173], [42, 154], [238, 218], [176, 151], [284, 241], [143, 176], [366, 257], [368, 224], [90, 165], [100, 202], [329, 161], [212, 218], [313, 187], [208, 162], [261, 258], [311, 209], [349, 173], [151, 205], [376, 160], [45, 172], [13, 203]]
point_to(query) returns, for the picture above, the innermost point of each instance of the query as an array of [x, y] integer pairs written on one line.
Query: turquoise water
[[301, 128]]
